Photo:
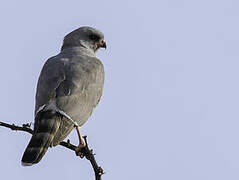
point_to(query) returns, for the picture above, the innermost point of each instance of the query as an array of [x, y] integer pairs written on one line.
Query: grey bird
[[69, 88]]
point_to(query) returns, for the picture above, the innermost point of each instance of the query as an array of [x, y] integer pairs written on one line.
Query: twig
[[85, 151], [25, 127]]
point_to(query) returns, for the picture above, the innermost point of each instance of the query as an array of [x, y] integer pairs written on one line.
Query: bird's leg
[[81, 143]]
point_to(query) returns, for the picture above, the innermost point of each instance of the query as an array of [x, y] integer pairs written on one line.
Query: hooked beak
[[101, 44]]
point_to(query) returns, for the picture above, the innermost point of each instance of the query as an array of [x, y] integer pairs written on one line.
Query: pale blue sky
[[170, 104]]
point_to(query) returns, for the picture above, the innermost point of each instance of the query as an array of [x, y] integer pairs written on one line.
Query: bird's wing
[[75, 85], [52, 74], [69, 81]]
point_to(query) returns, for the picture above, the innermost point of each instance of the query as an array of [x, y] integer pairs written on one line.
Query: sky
[[170, 104]]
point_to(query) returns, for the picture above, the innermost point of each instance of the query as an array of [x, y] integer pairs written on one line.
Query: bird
[[69, 87]]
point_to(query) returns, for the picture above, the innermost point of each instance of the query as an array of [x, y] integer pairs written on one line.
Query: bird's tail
[[46, 127]]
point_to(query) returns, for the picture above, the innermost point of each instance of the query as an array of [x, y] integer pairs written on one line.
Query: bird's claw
[[78, 150]]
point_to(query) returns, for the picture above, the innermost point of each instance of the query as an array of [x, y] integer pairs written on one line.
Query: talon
[[78, 151]]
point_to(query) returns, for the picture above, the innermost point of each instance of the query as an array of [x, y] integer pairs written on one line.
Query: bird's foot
[[79, 150]]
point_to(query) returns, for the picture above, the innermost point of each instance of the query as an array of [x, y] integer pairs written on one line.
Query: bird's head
[[87, 37]]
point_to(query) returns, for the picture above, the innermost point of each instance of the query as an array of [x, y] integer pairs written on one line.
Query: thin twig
[[24, 127], [85, 151]]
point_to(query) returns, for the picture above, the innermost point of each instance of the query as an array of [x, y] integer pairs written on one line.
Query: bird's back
[[77, 89]]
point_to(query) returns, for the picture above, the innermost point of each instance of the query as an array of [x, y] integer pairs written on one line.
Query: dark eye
[[94, 37]]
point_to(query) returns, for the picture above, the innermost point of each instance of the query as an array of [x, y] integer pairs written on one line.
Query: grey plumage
[[69, 87]]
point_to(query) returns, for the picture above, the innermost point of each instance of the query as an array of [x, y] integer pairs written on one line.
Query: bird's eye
[[94, 37]]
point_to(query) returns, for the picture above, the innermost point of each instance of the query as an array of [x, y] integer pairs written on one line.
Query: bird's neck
[[79, 50]]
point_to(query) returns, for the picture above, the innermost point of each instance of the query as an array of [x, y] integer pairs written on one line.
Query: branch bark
[[82, 152]]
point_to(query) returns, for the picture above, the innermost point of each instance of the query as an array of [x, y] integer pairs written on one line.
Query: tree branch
[[82, 151]]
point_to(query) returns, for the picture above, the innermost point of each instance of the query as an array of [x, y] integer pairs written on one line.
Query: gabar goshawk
[[69, 87]]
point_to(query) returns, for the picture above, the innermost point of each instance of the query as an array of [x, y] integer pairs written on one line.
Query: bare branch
[[25, 127], [85, 151]]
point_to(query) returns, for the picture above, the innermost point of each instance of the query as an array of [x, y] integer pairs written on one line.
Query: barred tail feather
[[45, 129]]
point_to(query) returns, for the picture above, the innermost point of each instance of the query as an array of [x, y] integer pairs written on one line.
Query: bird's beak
[[104, 45], [101, 44]]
